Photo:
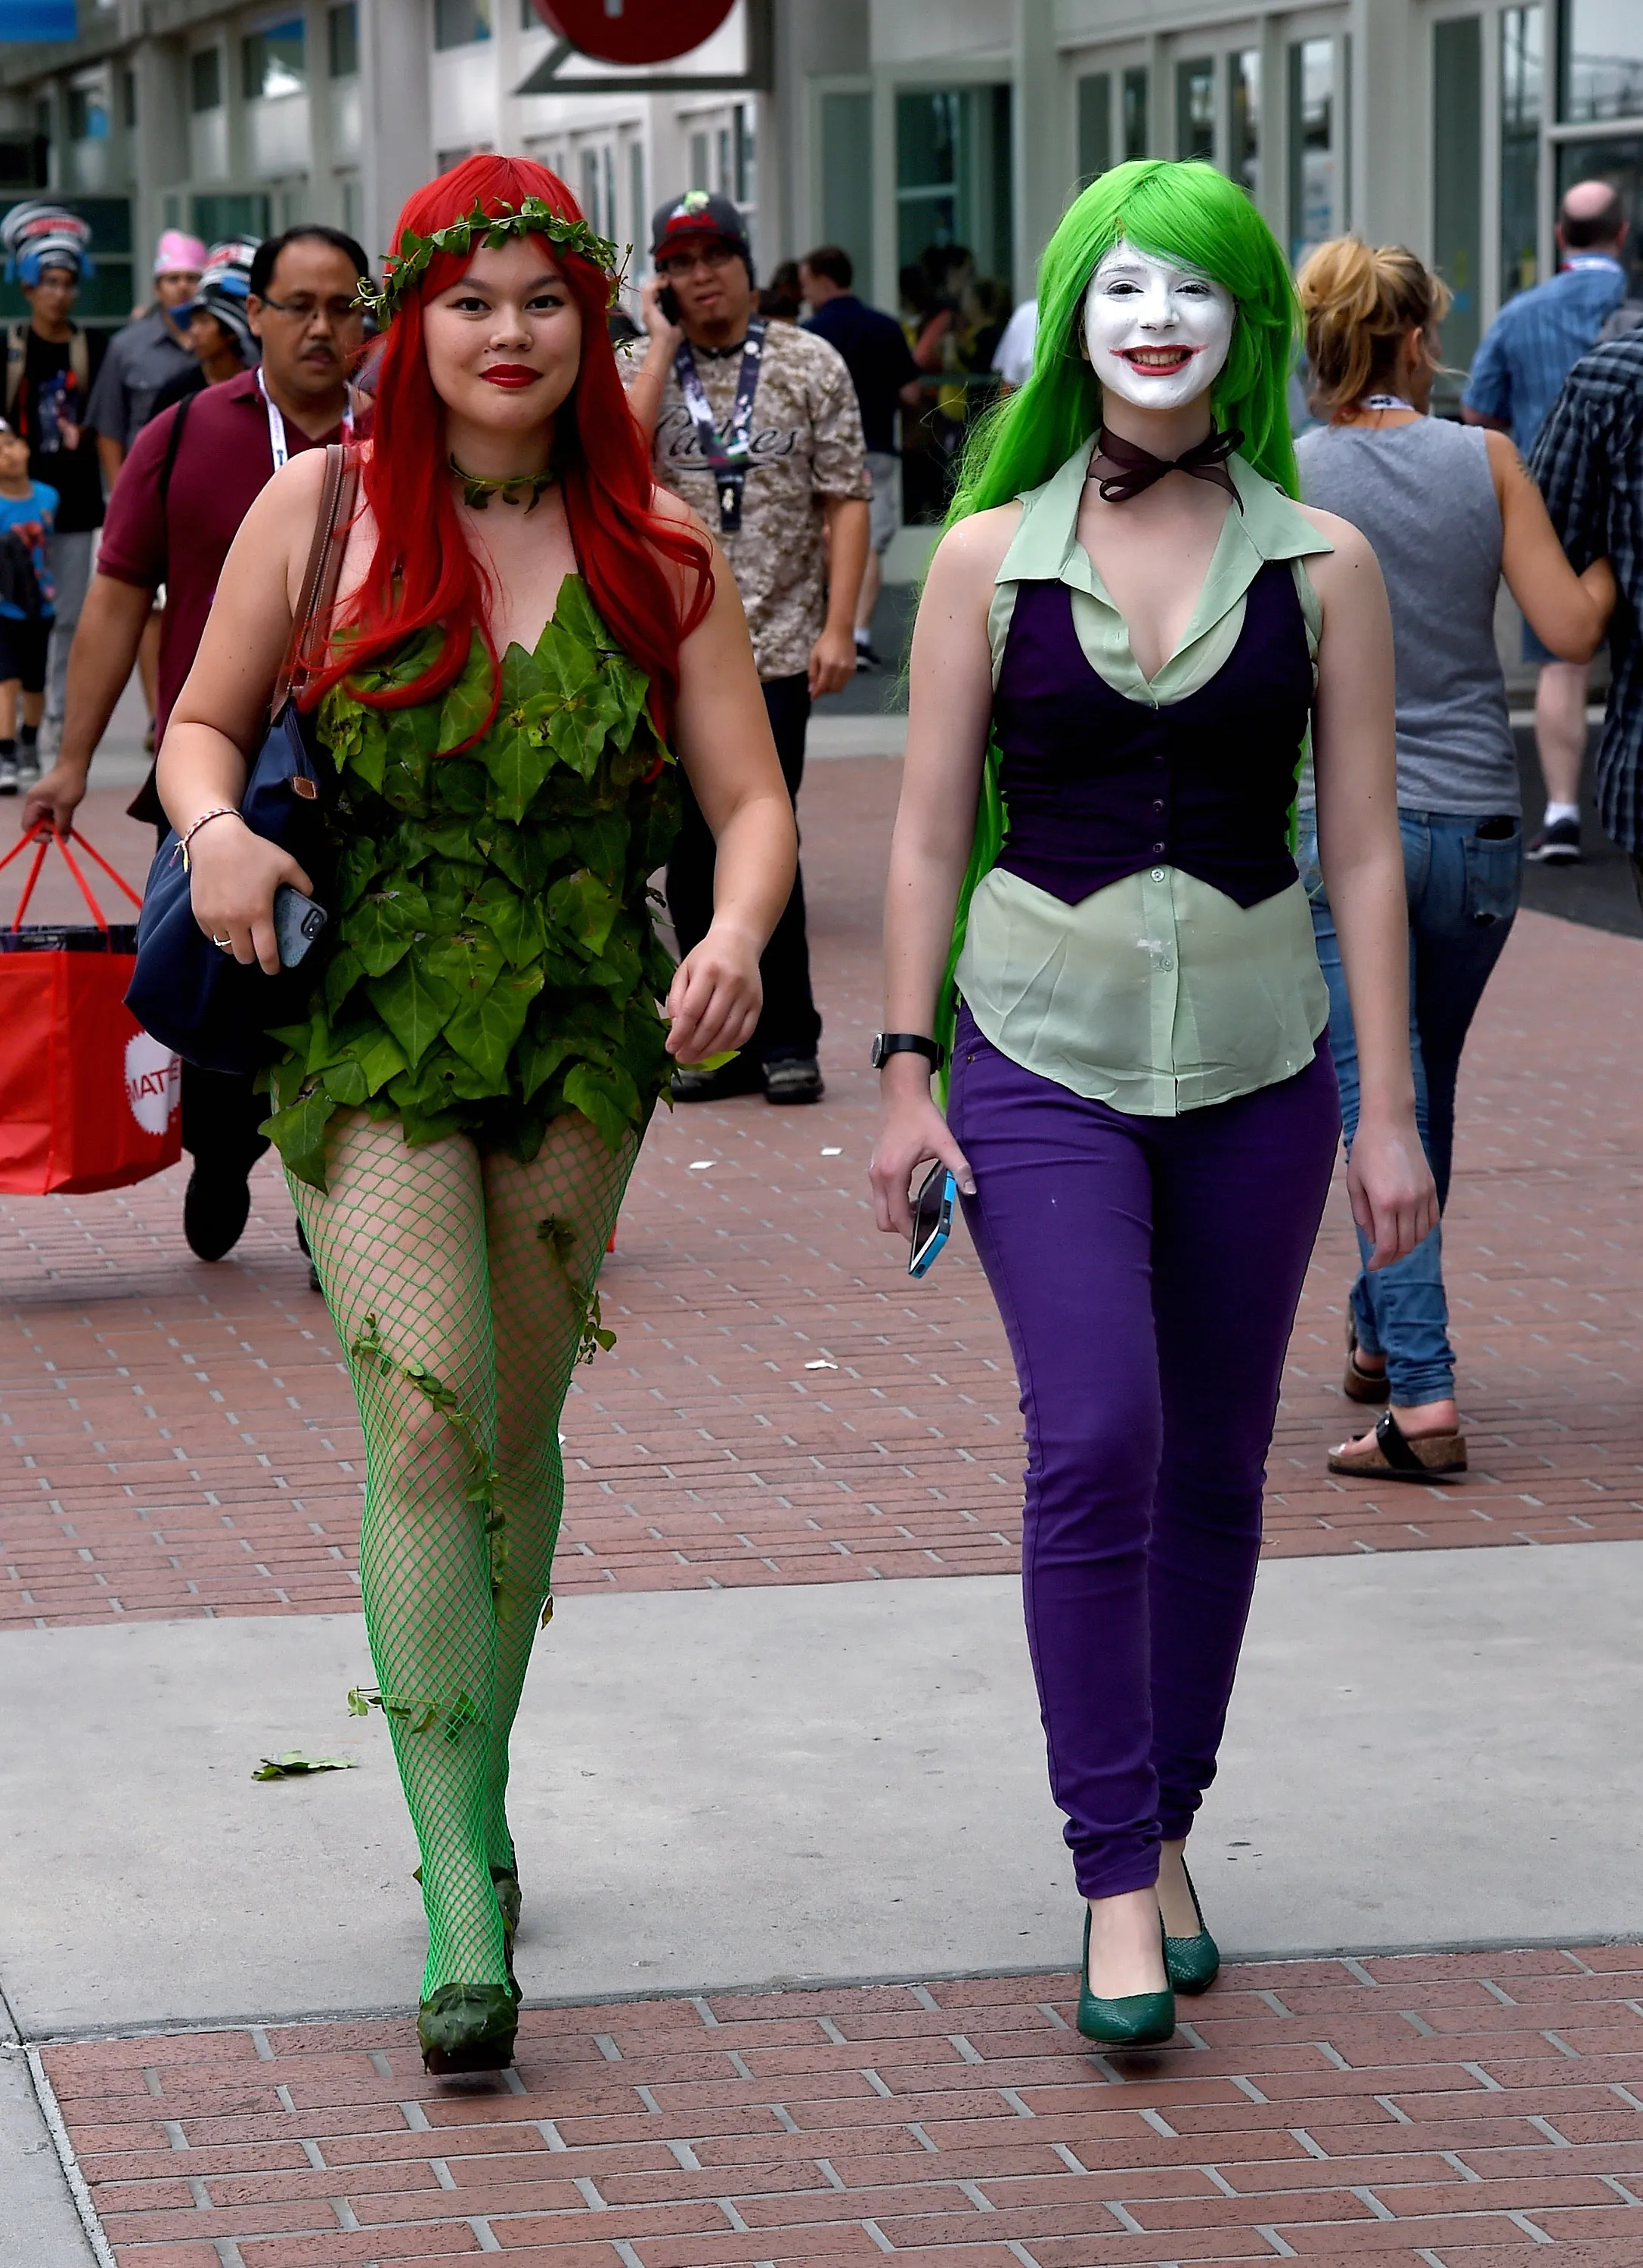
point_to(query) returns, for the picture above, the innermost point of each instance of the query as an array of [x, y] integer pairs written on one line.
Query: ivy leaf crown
[[534, 218]]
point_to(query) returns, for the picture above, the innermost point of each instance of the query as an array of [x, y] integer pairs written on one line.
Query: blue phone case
[[920, 1263]]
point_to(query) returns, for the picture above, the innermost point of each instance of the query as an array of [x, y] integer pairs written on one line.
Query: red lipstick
[[514, 375]]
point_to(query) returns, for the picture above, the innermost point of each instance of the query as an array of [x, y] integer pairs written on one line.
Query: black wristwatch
[[907, 1043]]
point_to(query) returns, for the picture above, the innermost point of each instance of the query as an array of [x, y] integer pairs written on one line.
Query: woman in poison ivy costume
[[460, 1111]]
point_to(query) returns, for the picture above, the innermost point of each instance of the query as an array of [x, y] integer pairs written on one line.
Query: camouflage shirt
[[805, 444]]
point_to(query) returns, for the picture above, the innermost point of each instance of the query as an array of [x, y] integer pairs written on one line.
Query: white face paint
[[1158, 336]]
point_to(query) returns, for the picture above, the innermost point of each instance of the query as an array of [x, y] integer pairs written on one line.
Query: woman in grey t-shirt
[[1449, 509]]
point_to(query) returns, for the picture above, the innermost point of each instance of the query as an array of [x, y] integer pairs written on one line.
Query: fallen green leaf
[[712, 1062], [293, 1766]]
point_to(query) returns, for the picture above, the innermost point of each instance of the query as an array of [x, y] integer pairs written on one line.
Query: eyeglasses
[[712, 257], [332, 313]]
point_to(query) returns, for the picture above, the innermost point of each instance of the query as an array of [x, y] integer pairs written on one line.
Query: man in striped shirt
[[1525, 356], [1588, 463]]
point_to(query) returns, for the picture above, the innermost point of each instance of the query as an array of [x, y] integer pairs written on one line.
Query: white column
[[1040, 163], [1391, 124], [395, 125]]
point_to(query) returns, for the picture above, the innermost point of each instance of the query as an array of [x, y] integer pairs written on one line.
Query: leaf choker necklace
[[477, 490]]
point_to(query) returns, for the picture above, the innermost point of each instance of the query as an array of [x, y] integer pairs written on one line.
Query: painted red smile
[[1160, 362], [514, 375]]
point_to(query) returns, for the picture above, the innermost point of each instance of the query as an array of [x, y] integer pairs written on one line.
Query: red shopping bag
[[88, 1100]]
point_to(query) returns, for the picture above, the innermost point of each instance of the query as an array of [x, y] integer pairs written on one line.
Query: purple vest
[[1097, 787]]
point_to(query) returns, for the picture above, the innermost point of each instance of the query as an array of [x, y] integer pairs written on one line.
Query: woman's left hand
[[1394, 1197], [715, 998]]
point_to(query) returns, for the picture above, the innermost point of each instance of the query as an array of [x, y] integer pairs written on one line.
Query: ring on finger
[[226, 944]]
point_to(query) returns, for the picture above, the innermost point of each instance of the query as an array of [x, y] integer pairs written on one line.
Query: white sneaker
[[7, 775], [27, 767]]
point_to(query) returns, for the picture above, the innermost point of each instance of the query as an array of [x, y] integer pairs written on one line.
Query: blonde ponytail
[[1360, 303]]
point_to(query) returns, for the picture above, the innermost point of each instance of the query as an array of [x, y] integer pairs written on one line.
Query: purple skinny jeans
[[1116, 1246]]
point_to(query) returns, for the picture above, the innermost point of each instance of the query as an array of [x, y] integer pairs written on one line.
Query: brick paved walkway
[[1463, 2111], [783, 1405]]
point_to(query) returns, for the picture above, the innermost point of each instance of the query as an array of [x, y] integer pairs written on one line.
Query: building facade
[[893, 127]]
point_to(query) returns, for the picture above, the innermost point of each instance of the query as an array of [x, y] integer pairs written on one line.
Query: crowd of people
[[1209, 840]]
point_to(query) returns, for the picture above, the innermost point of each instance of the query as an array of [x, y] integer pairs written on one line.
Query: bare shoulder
[[971, 554], [1350, 564], [668, 507]]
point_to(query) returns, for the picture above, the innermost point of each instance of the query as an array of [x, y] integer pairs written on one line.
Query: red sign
[[633, 30]]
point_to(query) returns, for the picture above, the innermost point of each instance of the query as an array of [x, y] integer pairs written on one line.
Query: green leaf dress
[[490, 961]]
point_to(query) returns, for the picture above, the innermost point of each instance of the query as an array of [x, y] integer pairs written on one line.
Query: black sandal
[[1427, 1457]]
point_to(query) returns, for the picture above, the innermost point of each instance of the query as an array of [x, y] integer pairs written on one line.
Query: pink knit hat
[[179, 253]]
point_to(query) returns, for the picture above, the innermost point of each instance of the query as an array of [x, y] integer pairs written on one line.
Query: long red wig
[[422, 573]]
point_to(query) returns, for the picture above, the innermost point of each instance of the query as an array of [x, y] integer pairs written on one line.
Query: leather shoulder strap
[[325, 565]]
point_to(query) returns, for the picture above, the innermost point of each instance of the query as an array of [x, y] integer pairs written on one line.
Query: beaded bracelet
[[217, 811]]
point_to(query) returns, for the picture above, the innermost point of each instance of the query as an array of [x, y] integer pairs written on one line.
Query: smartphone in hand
[[668, 300], [297, 921], [933, 1219]]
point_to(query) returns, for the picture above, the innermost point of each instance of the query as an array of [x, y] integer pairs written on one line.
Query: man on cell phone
[[192, 475], [757, 427]]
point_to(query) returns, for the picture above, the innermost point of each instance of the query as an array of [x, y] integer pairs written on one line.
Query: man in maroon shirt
[[192, 475]]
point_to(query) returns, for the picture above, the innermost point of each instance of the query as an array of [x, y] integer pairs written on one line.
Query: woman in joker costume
[[1128, 634]]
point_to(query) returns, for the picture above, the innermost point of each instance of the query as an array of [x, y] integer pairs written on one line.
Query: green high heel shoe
[[468, 2027], [1139, 2020], [1193, 1962]]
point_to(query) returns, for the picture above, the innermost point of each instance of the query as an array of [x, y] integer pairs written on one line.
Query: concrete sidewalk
[[759, 1788]]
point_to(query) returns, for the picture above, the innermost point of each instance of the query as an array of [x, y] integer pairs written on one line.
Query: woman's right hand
[[234, 874], [913, 1136]]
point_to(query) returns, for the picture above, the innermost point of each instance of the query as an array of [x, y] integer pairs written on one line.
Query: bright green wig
[[1192, 216]]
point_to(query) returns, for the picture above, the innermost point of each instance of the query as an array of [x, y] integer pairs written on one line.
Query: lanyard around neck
[[726, 456], [278, 448]]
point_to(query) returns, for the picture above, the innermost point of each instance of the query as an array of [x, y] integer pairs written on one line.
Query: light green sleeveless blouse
[[1159, 993]]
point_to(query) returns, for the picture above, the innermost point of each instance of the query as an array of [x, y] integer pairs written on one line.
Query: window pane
[[847, 178], [1602, 59], [1094, 125], [205, 78], [1135, 123], [1243, 119], [724, 179], [274, 60], [698, 161], [1457, 63], [747, 156], [928, 127], [1620, 163], [343, 33], [587, 187], [1522, 96], [88, 115], [215, 218], [457, 23], [1195, 109], [1311, 145]]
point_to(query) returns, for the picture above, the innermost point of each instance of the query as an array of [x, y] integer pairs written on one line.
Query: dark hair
[[781, 296], [833, 261], [1602, 226], [270, 249]]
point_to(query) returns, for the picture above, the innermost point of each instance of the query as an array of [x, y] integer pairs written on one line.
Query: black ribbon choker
[[1124, 468]]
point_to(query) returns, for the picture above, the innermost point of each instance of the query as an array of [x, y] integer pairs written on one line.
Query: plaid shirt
[[1589, 465], [1536, 340]]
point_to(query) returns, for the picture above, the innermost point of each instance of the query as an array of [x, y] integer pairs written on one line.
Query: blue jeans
[[1463, 876]]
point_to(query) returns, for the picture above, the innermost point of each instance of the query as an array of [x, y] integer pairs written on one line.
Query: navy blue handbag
[[188, 993]]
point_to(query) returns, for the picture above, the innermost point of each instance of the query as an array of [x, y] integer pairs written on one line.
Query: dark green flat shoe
[[1193, 1962], [1139, 2020], [468, 2027]]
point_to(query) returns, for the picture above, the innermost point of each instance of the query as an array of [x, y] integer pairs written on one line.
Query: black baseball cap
[[701, 212]]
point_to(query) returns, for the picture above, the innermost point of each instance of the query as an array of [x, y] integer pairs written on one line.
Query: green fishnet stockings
[[460, 1289]]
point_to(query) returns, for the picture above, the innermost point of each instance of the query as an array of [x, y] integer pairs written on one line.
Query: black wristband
[[910, 1043]]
